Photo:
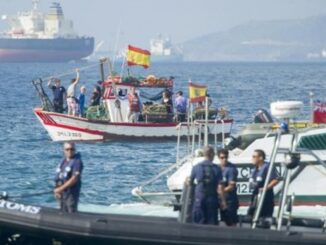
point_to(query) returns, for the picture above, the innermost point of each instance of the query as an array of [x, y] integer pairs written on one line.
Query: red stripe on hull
[[21, 55], [39, 111], [48, 121]]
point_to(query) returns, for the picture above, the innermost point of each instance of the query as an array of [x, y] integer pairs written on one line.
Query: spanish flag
[[137, 56], [197, 93]]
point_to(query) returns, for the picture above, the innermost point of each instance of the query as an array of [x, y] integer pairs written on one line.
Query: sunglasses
[[69, 149], [223, 157]]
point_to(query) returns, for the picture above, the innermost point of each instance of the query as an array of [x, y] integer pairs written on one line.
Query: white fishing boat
[[110, 121], [307, 180]]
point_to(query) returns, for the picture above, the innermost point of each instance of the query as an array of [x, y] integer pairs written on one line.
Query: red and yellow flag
[[197, 93], [137, 56]]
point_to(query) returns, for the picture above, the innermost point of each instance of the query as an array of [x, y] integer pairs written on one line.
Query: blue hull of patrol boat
[[39, 225]]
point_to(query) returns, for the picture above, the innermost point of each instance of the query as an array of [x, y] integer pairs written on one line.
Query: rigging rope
[[74, 71]]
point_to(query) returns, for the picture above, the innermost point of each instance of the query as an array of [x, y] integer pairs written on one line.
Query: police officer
[[207, 178], [68, 179], [229, 182], [257, 181]]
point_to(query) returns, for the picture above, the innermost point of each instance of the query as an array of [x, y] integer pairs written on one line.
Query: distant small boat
[[163, 51]]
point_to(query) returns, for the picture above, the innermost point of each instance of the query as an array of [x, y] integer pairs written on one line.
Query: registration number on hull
[[69, 134], [243, 187]]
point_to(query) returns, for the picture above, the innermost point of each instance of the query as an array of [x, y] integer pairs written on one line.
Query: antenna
[[35, 4]]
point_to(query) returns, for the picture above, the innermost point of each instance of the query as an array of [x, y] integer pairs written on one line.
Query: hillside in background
[[280, 40]]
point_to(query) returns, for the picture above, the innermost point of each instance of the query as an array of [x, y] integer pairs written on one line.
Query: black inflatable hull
[[46, 225]]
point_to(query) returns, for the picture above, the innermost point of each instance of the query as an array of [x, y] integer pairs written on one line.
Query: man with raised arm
[[72, 102]]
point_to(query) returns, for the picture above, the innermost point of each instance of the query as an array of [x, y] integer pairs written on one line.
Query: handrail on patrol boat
[[287, 174], [138, 191], [261, 199]]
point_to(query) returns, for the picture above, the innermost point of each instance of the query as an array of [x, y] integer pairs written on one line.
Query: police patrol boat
[[21, 223], [109, 121], [307, 181]]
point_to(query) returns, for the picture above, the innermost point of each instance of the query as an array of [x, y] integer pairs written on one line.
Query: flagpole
[[193, 128], [188, 125], [206, 121], [311, 95]]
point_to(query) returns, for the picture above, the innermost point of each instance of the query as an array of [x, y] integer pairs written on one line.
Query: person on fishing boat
[[167, 101], [200, 110], [96, 97], [207, 178], [59, 94], [81, 100], [68, 179], [134, 106], [229, 182], [72, 102], [181, 107], [257, 180]]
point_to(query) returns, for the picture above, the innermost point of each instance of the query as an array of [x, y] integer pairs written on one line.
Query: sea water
[[112, 169]]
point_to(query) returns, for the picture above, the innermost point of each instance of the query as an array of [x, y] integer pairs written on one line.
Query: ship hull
[[45, 50]]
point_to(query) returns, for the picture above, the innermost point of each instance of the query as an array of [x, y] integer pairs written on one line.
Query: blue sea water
[[29, 158]]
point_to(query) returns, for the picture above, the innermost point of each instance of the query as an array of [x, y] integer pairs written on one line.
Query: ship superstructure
[[162, 50]]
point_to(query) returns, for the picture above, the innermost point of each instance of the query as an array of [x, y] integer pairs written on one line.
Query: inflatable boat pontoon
[[38, 225]]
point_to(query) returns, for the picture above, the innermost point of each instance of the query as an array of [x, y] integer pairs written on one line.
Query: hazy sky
[[140, 20]]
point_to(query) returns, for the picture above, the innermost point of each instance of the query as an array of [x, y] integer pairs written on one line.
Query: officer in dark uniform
[[207, 178], [229, 182], [59, 94], [257, 181], [68, 179]]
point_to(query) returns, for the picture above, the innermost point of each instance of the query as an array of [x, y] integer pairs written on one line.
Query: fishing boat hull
[[45, 225], [62, 127]]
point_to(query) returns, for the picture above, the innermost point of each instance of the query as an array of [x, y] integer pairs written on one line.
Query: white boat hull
[[307, 182], [62, 127]]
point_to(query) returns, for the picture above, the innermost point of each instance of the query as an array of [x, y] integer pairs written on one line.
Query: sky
[[123, 22]]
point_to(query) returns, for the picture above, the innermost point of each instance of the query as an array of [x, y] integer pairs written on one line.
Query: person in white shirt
[[71, 96]]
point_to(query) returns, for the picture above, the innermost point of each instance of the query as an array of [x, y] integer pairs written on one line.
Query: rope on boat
[[102, 61], [5, 196]]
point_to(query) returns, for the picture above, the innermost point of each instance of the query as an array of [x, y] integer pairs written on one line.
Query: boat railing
[[150, 193], [191, 135], [291, 161]]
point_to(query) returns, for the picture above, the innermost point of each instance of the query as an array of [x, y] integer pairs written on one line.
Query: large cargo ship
[[37, 37], [162, 50]]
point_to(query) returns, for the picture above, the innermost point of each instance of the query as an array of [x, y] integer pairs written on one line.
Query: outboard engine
[[231, 143], [263, 116]]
